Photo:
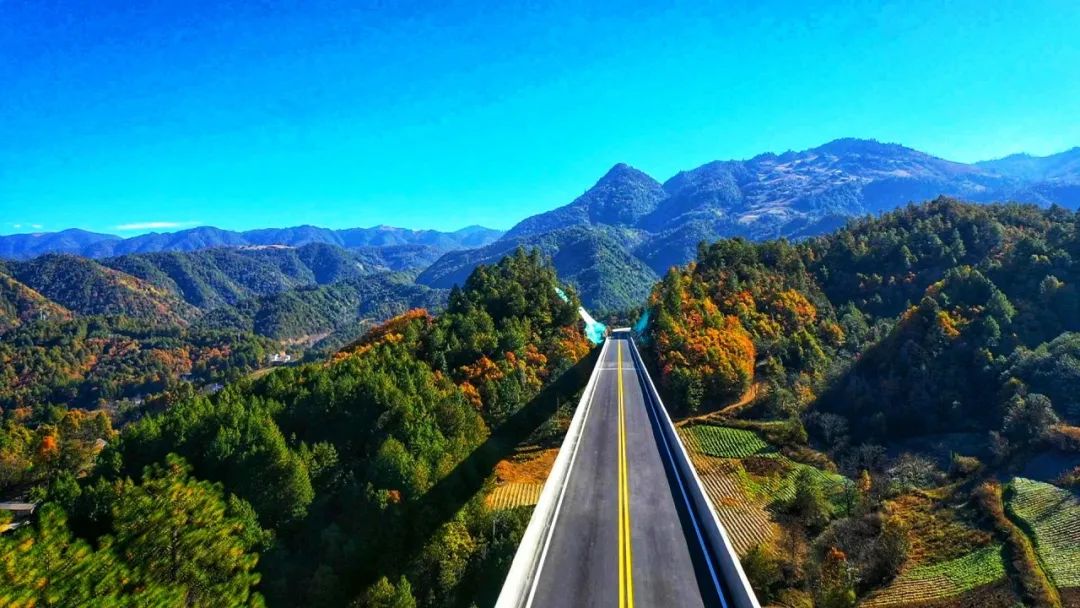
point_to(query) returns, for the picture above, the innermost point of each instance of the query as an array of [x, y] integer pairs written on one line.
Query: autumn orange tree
[[739, 304]]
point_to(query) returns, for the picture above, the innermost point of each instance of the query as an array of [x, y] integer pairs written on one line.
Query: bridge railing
[[737, 588], [520, 584]]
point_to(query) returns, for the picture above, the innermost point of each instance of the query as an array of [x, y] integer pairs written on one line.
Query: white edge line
[[566, 480]]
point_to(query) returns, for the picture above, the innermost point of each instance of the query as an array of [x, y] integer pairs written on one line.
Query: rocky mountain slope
[[793, 195]]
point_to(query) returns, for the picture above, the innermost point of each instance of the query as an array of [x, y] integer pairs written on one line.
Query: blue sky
[[120, 116]]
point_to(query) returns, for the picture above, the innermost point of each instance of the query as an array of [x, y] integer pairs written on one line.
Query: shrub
[[762, 568], [963, 466]]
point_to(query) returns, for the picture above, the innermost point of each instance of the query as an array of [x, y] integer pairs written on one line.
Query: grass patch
[[1051, 516], [781, 488], [764, 473], [979, 568], [1023, 561]]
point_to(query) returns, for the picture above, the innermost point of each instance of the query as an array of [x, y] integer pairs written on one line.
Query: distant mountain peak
[[622, 172], [1060, 167], [854, 145]]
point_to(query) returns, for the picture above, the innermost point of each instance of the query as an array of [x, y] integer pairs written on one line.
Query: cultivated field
[[743, 476], [723, 442], [744, 517], [510, 495], [520, 478], [780, 488], [943, 580], [1051, 515]]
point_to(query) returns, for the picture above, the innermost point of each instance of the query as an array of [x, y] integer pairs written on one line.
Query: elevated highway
[[623, 519]]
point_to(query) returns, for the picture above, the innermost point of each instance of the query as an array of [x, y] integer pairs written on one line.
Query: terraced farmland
[[724, 442], [1052, 516], [742, 500], [510, 495], [942, 580], [745, 518]]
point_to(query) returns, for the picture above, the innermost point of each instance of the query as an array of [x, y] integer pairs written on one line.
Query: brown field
[[510, 495], [526, 467], [745, 519], [935, 531], [520, 478]]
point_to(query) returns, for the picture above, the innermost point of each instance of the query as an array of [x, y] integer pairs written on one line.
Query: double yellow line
[[626, 570]]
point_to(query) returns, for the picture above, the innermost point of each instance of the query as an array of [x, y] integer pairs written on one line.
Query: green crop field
[[943, 580], [745, 518], [1052, 516], [724, 442], [779, 488]]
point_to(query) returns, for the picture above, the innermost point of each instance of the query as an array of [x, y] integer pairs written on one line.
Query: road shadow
[[443, 501]]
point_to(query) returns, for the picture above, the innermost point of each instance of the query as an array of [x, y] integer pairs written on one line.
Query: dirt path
[[728, 410]]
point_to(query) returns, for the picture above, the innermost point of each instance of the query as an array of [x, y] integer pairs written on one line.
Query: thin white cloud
[[16, 226], [152, 225], [36, 226]]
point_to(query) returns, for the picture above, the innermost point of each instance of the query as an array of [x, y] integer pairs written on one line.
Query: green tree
[[45, 565], [762, 568], [385, 594], [178, 531], [810, 504], [835, 587], [1029, 417]]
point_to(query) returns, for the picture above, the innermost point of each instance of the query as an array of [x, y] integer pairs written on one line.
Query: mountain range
[[97, 245], [611, 243], [283, 293], [635, 223]]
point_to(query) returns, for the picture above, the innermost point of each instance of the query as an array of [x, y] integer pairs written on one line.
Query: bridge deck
[[662, 560]]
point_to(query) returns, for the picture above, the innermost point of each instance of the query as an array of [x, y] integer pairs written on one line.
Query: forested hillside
[[87, 288], [119, 332], [353, 481], [215, 277], [928, 357], [212, 278], [109, 361], [301, 315], [20, 304], [594, 260]]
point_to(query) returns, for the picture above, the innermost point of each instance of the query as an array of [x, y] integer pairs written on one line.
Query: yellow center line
[[626, 559], [622, 551]]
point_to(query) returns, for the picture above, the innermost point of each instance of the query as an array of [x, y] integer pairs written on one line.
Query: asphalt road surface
[[623, 536]]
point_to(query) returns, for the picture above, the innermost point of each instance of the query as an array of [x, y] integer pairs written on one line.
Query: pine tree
[[177, 530]]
